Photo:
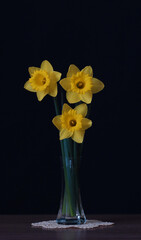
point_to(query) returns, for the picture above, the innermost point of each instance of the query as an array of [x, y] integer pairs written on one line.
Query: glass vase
[[70, 210]]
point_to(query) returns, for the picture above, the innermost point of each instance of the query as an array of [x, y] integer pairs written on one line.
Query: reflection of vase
[[71, 210]]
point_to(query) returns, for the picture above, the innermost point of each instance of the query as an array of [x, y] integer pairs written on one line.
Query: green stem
[[75, 153], [57, 110], [76, 172], [68, 187]]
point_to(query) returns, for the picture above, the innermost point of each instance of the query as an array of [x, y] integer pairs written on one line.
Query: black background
[[103, 34]]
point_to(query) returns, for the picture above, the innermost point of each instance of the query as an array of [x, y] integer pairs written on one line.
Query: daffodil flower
[[43, 80], [80, 85], [72, 123]]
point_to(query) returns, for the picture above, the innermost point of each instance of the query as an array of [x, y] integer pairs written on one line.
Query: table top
[[18, 227]]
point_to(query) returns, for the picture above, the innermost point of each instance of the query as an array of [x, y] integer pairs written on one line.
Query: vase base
[[71, 221]]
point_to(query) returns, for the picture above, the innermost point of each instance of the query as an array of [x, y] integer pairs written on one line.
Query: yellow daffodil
[[43, 80], [80, 85], [72, 123]]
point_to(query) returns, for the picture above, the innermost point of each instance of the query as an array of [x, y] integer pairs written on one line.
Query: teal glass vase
[[70, 210]]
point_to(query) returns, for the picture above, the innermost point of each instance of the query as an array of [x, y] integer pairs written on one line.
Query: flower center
[[43, 80], [81, 82], [71, 120], [73, 123], [80, 85], [40, 80]]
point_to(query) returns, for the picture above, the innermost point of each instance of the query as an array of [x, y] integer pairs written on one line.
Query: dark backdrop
[[103, 34]]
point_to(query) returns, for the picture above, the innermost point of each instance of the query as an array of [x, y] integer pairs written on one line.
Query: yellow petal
[[66, 108], [86, 123], [55, 76], [86, 97], [28, 87], [72, 97], [66, 83], [42, 94], [57, 122], [64, 133], [31, 70], [72, 70], [45, 65], [78, 136], [97, 85], [88, 70], [53, 89], [82, 109]]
